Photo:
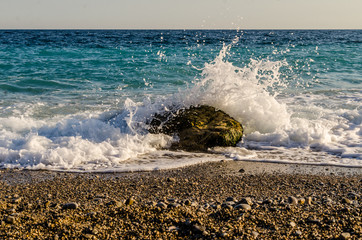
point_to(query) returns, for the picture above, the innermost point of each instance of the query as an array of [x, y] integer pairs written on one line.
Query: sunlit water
[[81, 100]]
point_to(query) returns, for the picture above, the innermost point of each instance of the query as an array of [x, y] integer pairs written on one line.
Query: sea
[[82, 100]]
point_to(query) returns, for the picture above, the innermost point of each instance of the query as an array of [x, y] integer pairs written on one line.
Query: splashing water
[[311, 125]]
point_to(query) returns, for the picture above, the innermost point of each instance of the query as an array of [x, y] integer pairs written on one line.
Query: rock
[[230, 199], [170, 179], [246, 200], [198, 228], [187, 202], [198, 128], [174, 205], [352, 196], [10, 219], [292, 200], [172, 228], [130, 201], [255, 234], [298, 233], [71, 205], [114, 204], [243, 206], [292, 224], [345, 235], [161, 205]]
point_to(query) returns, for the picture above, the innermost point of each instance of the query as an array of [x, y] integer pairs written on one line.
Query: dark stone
[[198, 128]]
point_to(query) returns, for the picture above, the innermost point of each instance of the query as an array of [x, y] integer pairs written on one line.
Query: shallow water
[[80, 100]]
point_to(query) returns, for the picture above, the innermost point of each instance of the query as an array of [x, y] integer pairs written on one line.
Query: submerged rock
[[198, 128]]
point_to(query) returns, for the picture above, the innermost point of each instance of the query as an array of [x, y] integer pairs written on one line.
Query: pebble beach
[[214, 200]]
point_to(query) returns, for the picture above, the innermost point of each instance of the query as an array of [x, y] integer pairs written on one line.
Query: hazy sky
[[180, 14]]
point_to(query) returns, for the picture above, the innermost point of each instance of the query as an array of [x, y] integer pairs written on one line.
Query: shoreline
[[222, 200]]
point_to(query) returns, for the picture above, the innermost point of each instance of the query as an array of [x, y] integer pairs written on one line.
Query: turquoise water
[[80, 100]]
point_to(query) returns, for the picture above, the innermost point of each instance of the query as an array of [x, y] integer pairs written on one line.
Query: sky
[[180, 14]]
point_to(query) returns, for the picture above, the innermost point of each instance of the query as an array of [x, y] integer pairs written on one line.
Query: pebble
[[231, 199], [187, 202], [345, 235], [243, 206], [292, 200], [161, 205], [292, 224], [255, 234], [246, 200], [298, 233], [174, 205], [346, 200], [10, 219], [352, 196], [171, 179], [71, 205], [130, 201], [198, 228]]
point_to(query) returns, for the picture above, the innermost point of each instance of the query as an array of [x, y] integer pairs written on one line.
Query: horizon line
[[183, 29]]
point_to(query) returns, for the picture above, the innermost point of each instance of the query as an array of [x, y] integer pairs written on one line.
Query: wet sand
[[217, 200]]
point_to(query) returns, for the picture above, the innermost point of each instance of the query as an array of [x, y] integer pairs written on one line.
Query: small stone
[[298, 233], [241, 170], [174, 205], [327, 200], [172, 228], [10, 219], [352, 196], [230, 199], [268, 201], [246, 200], [171, 179], [198, 228], [71, 205], [292, 224], [114, 204], [346, 200], [161, 205], [224, 234], [255, 234], [345, 235], [292, 200], [17, 200], [130, 201], [227, 206], [243, 206]]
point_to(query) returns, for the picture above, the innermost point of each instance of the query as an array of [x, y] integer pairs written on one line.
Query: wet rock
[[71, 205], [198, 128]]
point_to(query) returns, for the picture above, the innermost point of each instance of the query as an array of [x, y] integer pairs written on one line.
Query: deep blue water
[[51, 76]]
